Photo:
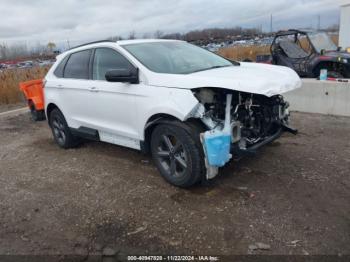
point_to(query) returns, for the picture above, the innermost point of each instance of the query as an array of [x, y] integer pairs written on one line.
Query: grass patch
[[10, 79]]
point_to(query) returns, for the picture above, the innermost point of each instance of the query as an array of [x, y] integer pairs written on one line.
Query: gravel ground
[[99, 198], [5, 108]]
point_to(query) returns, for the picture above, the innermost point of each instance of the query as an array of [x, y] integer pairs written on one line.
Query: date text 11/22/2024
[[173, 258]]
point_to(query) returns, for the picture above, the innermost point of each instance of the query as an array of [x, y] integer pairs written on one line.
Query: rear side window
[[78, 65], [107, 59], [59, 69]]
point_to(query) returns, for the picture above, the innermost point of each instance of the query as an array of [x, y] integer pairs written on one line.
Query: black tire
[[177, 154], [37, 115], [60, 130]]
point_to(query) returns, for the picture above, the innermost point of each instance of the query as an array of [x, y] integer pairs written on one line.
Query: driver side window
[[106, 59]]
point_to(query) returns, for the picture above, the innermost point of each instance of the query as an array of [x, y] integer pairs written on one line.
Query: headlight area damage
[[237, 123]]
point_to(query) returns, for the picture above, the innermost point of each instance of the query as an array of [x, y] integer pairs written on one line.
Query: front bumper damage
[[238, 152], [218, 147]]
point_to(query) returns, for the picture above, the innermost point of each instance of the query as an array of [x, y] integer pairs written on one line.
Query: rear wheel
[[177, 154], [61, 131]]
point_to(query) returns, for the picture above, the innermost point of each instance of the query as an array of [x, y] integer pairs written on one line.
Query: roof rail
[[90, 43]]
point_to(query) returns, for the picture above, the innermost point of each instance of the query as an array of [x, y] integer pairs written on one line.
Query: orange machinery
[[34, 93]]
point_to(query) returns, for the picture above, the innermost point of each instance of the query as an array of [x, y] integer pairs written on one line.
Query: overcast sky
[[42, 21]]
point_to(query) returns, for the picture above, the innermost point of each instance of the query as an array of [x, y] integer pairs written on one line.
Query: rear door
[[75, 89]]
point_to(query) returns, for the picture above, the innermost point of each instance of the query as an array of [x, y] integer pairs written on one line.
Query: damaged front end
[[237, 123]]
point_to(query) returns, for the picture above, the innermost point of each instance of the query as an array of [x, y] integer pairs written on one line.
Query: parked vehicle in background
[[10, 66], [307, 52], [25, 64], [46, 62], [190, 108], [266, 59]]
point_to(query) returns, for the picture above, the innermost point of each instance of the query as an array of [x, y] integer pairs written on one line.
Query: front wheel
[[177, 154]]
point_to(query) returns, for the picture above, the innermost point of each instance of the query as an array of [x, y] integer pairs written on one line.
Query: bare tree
[[158, 34], [146, 36], [132, 35], [115, 38]]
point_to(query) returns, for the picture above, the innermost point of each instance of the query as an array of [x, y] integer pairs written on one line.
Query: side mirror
[[123, 75]]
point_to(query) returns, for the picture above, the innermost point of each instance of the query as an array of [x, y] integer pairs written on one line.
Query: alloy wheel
[[171, 155], [59, 130]]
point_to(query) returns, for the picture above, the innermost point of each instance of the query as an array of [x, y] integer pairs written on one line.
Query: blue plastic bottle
[[217, 142]]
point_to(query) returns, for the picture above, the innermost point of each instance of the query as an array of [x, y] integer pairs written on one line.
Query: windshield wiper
[[209, 68]]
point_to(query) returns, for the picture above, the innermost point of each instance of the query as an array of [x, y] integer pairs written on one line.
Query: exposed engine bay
[[255, 119]]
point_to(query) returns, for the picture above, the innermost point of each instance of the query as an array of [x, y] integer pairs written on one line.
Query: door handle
[[60, 86], [94, 89]]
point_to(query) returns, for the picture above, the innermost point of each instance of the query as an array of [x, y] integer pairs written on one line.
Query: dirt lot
[[6, 108], [80, 201]]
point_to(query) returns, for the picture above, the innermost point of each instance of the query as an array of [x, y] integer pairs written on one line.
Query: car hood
[[268, 80]]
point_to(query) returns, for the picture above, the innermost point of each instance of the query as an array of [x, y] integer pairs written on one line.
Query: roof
[[91, 43], [96, 44], [141, 41], [122, 42]]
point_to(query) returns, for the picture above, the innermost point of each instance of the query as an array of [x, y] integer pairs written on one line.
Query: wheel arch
[[152, 122], [193, 125], [164, 113], [49, 108]]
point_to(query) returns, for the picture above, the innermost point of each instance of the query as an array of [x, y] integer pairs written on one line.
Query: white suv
[[190, 108]]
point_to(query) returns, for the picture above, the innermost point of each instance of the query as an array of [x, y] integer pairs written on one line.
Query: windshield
[[321, 41], [175, 57]]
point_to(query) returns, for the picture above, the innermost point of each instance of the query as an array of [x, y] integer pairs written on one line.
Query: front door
[[113, 102]]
